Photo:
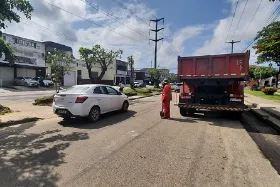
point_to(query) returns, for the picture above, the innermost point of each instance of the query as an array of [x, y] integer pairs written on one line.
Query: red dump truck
[[213, 82]]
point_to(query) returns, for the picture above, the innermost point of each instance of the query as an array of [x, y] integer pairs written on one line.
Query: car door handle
[[98, 99]]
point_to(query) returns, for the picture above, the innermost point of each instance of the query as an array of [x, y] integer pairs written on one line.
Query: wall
[[27, 52], [109, 75]]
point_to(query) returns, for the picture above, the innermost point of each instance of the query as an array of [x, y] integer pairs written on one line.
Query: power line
[[271, 19], [113, 17], [89, 21], [170, 51], [53, 33], [240, 19], [130, 11], [251, 20], [266, 17], [231, 21]]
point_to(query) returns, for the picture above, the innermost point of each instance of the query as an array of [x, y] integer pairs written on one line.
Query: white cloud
[[217, 43], [112, 35]]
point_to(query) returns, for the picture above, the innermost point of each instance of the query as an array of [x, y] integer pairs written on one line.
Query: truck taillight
[[81, 99]]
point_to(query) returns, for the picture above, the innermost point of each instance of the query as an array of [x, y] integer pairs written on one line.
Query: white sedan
[[89, 101]]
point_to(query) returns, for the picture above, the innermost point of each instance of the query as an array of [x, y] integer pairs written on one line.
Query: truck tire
[[183, 112], [191, 112], [237, 115]]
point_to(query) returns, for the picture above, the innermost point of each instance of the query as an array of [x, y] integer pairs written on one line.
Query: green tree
[[9, 11], [98, 55], [268, 45], [251, 72], [60, 64], [264, 72], [172, 77], [130, 61], [155, 76]]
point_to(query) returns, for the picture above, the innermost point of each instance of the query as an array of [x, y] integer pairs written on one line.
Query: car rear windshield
[[77, 89]]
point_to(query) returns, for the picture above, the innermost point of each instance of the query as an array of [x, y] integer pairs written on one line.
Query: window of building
[[121, 68]]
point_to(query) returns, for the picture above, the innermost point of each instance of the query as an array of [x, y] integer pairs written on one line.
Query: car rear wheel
[[125, 106], [94, 114]]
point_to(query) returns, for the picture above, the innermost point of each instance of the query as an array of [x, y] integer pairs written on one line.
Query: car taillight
[[81, 99]]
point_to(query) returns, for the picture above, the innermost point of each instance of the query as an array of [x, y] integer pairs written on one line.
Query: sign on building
[[27, 52]]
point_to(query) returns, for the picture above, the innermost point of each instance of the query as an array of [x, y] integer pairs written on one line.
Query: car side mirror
[[119, 93]]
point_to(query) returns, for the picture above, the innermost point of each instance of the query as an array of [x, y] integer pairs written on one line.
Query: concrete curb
[[141, 97], [273, 122], [271, 112], [264, 116]]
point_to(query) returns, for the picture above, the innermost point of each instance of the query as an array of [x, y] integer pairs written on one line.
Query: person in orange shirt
[[166, 98]]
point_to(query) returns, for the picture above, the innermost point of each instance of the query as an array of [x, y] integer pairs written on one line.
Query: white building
[[29, 59], [83, 76]]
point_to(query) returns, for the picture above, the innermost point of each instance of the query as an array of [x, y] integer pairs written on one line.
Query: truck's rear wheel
[[237, 115], [183, 111], [191, 111]]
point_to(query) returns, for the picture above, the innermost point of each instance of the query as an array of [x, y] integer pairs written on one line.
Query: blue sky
[[192, 27]]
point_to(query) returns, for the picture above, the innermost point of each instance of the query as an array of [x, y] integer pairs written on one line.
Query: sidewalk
[[266, 110], [25, 112], [5, 94], [259, 102]]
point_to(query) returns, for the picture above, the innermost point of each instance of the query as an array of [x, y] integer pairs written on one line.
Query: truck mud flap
[[217, 108]]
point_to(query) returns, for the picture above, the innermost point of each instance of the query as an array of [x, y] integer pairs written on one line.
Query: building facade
[[121, 73], [83, 74], [164, 73], [70, 77], [29, 59]]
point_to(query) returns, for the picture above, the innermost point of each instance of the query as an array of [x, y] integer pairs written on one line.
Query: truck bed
[[234, 65]]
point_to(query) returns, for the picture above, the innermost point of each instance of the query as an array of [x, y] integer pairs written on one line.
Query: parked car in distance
[[89, 101], [45, 82], [178, 86], [25, 81]]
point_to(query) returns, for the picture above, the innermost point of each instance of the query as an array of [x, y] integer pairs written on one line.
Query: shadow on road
[[14, 122], [106, 120], [183, 120], [27, 159]]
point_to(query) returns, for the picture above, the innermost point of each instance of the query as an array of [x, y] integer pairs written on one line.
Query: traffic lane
[[202, 151], [52, 150], [133, 149], [265, 136]]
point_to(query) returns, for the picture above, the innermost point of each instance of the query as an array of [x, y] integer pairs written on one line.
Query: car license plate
[[61, 111]]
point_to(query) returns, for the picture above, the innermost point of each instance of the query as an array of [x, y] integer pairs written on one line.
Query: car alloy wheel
[[94, 114]]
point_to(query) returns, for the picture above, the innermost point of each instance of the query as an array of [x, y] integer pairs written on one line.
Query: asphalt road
[[134, 149]]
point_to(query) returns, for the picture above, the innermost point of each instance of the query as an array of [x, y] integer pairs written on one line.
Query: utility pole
[[232, 42], [131, 64], [156, 38]]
